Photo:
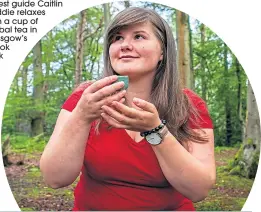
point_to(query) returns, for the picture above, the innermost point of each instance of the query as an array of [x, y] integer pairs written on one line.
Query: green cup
[[124, 79]]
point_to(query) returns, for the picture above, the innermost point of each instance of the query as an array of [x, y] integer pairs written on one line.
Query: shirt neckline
[[142, 142]]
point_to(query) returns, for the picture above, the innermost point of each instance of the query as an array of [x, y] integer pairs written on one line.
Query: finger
[[102, 83], [122, 100], [121, 118], [137, 108], [84, 85], [127, 111], [112, 121], [107, 91], [144, 105], [115, 97]]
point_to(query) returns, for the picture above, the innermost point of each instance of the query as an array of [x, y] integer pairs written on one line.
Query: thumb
[[144, 105]]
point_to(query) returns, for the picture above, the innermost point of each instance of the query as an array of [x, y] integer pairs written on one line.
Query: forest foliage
[[36, 96]]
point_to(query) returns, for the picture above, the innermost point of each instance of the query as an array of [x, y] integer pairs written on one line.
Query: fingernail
[[114, 77], [136, 100]]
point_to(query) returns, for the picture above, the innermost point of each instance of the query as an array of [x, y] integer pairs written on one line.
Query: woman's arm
[[62, 158], [192, 172]]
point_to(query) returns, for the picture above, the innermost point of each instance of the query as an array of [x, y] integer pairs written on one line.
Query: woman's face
[[135, 51]]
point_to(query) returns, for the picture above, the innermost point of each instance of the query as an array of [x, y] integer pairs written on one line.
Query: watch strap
[[163, 132], [155, 130]]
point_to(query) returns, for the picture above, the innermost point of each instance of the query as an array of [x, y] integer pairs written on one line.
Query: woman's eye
[[118, 38], [138, 37]]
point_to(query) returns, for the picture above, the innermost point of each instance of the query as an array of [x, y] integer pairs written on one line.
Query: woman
[[106, 132]]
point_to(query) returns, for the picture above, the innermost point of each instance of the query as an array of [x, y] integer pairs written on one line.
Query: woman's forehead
[[143, 26]]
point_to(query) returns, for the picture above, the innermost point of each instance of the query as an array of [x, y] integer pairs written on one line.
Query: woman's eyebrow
[[140, 31], [135, 32]]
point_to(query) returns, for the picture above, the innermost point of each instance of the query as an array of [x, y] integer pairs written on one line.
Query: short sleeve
[[203, 119], [73, 99]]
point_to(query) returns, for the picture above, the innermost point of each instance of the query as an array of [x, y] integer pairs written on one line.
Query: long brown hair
[[167, 95]]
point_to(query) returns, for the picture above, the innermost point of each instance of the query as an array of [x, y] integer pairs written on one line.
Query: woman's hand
[[101, 92], [143, 117]]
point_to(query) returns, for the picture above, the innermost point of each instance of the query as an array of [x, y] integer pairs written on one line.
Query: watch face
[[154, 138]]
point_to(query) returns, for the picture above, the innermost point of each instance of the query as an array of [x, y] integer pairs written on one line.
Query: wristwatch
[[156, 138], [156, 135]]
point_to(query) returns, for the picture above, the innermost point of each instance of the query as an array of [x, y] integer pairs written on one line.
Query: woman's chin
[[123, 72]]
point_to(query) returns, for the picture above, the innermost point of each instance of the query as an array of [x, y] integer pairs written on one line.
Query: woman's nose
[[126, 45]]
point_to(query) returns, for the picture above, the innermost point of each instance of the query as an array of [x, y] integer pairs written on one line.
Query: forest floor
[[32, 194]]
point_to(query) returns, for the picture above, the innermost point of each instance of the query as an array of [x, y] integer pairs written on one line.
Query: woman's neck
[[139, 88]]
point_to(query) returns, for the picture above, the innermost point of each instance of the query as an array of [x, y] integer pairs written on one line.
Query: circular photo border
[[235, 22]]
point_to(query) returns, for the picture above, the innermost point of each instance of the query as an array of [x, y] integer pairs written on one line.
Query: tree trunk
[[6, 151], [48, 60], [22, 120], [247, 158], [239, 98], [16, 83], [227, 97], [107, 14], [203, 62], [192, 78], [107, 18], [184, 60], [80, 48], [24, 81], [37, 121], [127, 4]]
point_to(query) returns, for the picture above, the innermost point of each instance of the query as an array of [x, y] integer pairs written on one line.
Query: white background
[[236, 22]]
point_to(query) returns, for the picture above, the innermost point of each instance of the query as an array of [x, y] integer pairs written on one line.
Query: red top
[[121, 174]]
